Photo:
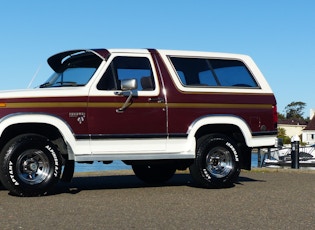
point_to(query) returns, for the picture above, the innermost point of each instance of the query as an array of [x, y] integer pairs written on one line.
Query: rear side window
[[212, 72]]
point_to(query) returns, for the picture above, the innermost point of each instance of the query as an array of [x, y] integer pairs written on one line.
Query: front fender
[[59, 123]]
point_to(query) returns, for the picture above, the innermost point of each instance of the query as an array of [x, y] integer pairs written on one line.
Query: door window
[[122, 68]]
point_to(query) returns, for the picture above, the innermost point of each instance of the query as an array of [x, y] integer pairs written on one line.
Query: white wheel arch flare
[[40, 118], [251, 141]]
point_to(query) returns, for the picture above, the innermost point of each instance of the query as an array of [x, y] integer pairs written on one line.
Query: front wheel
[[30, 165], [216, 163]]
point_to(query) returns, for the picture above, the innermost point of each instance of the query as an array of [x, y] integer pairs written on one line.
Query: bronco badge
[[79, 115]]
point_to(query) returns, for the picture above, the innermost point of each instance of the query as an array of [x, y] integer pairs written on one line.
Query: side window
[[212, 72], [122, 68], [193, 71], [232, 73], [207, 78]]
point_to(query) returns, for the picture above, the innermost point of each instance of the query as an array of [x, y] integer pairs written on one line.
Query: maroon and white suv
[[156, 110]]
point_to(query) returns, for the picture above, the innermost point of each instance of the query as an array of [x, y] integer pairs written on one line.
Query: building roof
[[293, 121], [311, 124]]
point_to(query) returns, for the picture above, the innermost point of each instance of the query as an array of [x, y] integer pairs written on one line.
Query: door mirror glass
[[128, 84]]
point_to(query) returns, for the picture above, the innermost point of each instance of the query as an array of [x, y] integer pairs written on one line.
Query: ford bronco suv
[[156, 110]]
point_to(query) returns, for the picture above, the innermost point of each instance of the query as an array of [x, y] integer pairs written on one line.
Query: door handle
[[156, 99]]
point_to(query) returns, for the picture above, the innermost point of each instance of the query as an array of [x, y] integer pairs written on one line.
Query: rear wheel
[[154, 174], [217, 161], [30, 165]]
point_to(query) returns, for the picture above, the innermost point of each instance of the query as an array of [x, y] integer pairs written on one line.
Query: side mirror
[[128, 84]]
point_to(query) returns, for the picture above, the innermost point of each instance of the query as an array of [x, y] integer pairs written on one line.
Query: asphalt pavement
[[262, 199]]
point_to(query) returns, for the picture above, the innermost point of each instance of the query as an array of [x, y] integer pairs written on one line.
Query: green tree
[[281, 116], [281, 132], [282, 135], [295, 110]]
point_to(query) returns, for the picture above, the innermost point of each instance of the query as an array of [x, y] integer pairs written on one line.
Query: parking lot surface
[[262, 199]]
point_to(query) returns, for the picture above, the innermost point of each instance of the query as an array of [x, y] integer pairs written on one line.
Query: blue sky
[[279, 35]]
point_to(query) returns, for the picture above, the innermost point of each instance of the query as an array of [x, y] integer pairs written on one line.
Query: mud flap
[[246, 158], [68, 171]]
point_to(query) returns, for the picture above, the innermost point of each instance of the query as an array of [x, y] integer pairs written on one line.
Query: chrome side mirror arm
[[127, 102]]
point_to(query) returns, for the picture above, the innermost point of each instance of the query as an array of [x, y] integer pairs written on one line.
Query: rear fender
[[220, 120]]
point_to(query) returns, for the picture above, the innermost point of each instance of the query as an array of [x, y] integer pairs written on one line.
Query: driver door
[[127, 118]]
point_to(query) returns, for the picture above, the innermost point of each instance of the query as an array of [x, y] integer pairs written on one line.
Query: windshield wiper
[[44, 85]]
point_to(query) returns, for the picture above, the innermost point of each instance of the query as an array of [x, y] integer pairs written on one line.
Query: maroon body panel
[[185, 108], [66, 108], [141, 117]]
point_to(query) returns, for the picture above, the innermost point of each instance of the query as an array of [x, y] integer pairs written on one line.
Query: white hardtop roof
[[179, 52], [198, 53]]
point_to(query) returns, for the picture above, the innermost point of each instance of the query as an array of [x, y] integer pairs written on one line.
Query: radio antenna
[[34, 76]]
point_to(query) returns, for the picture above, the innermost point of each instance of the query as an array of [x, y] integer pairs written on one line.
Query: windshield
[[70, 77], [75, 71]]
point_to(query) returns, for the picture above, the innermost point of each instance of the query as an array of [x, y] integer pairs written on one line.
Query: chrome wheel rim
[[219, 162], [33, 166]]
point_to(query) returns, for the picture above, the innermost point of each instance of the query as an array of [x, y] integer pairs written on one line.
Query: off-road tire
[[216, 163], [30, 165]]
